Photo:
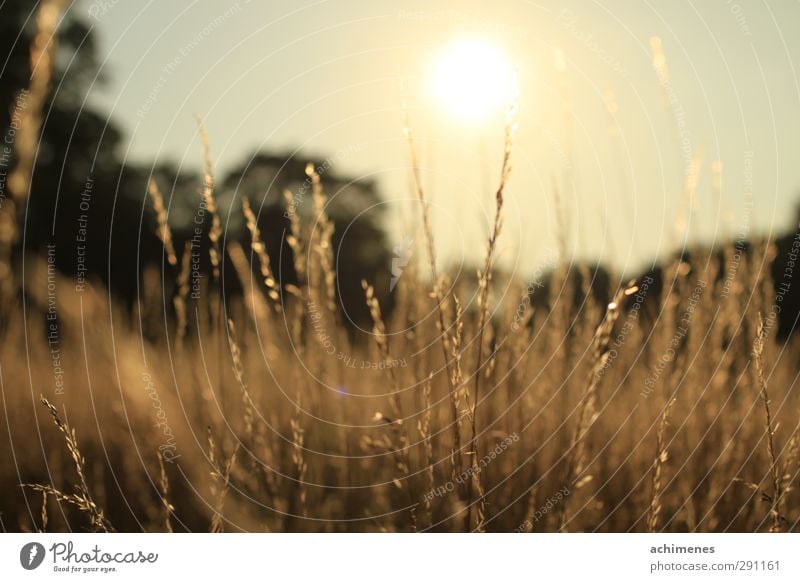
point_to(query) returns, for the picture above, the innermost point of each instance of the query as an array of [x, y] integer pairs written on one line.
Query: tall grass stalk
[[484, 283]]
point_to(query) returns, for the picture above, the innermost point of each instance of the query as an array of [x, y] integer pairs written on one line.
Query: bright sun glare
[[473, 78]]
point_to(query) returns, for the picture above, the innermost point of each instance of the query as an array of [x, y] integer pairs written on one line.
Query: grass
[[276, 433]]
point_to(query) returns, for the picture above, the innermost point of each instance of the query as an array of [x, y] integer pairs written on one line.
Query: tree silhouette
[[95, 210], [74, 182]]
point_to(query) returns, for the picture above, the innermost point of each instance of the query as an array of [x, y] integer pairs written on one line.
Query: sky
[[603, 144]]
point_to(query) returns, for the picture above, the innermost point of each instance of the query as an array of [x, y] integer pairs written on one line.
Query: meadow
[[466, 408]]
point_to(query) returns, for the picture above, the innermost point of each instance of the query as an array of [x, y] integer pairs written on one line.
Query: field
[[660, 411]]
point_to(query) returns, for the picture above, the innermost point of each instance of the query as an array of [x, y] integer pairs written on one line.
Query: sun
[[472, 79]]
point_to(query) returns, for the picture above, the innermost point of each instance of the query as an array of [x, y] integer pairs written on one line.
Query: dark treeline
[[91, 210], [781, 263]]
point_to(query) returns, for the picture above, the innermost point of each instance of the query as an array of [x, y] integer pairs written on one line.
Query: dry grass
[[308, 452], [81, 498]]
